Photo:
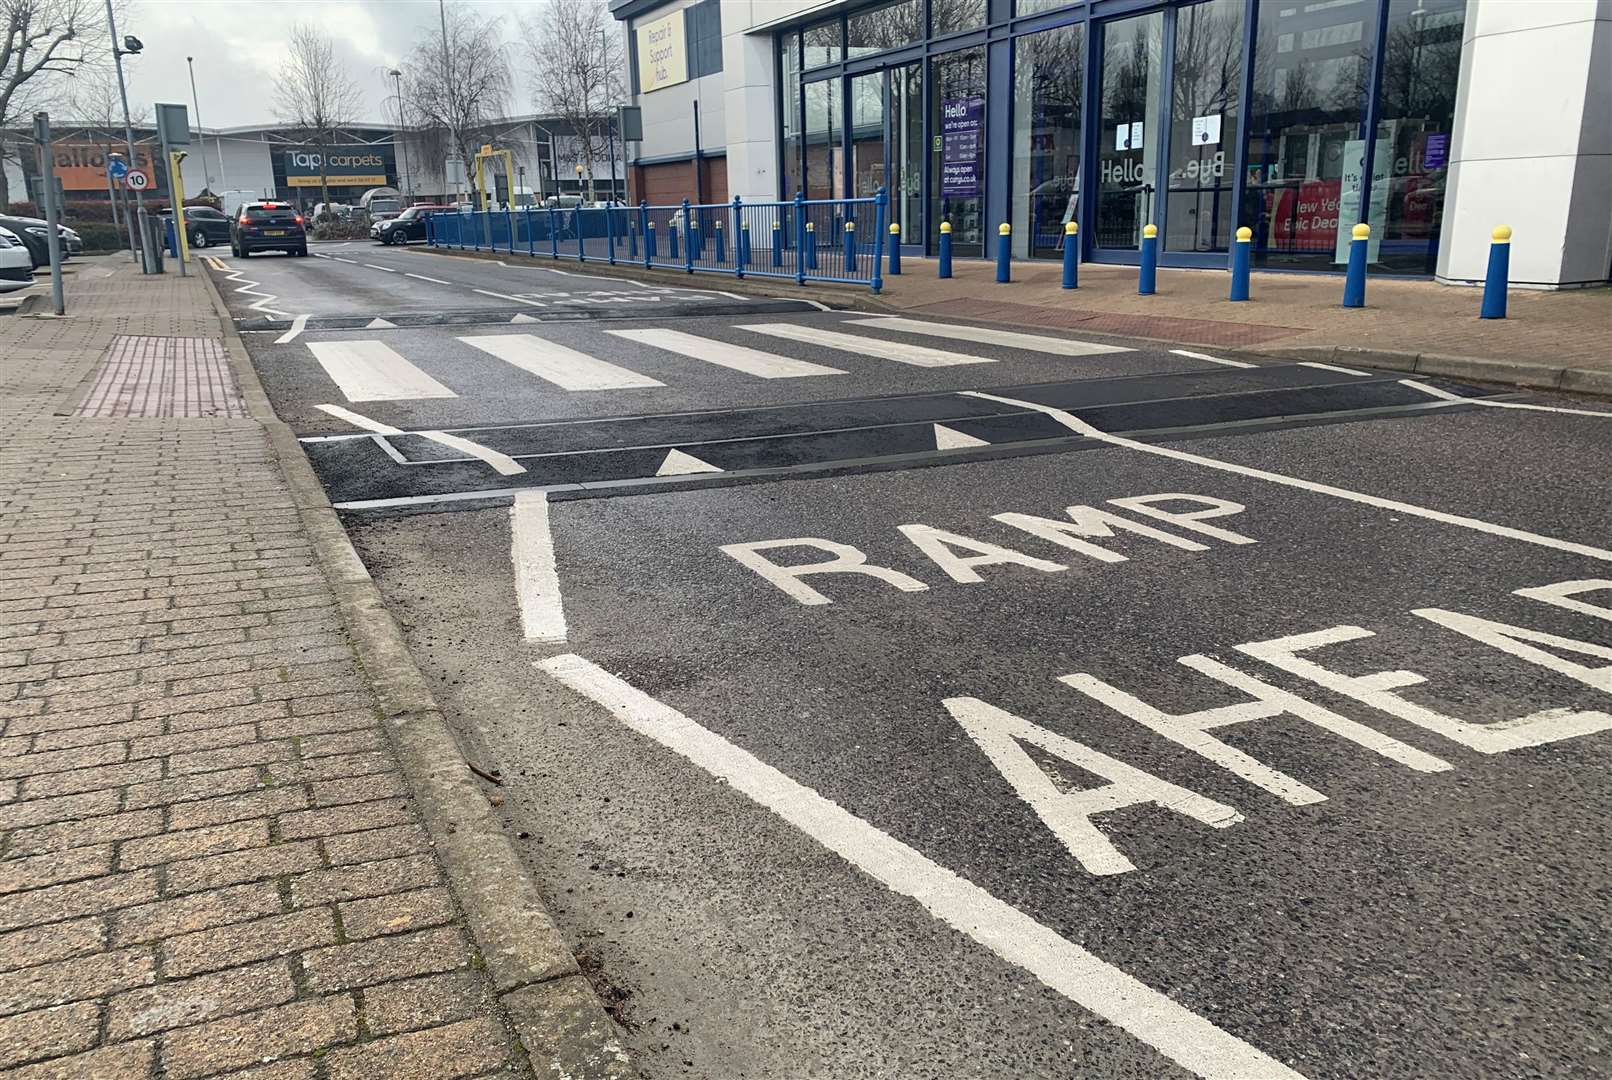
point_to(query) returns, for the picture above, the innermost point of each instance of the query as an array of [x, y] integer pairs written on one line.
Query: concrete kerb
[[552, 1008]]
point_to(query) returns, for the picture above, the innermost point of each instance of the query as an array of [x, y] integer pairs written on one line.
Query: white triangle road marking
[[951, 439], [522, 318], [380, 324], [678, 463]]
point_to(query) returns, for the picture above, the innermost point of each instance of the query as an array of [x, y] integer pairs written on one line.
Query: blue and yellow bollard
[[895, 248], [945, 249], [649, 244], [671, 239], [1147, 281], [694, 240], [721, 248], [811, 245], [1071, 255], [1494, 283], [1004, 253], [777, 243], [850, 249], [1354, 283], [1239, 263], [744, 243]]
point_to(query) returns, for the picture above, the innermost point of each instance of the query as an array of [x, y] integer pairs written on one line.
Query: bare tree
[[575, 51], [96, 103], [43, 43], [316, 94], [457, 81]]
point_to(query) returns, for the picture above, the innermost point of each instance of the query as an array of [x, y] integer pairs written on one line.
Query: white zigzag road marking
[[251, 288]]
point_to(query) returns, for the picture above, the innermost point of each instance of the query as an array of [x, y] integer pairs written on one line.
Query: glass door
[[887, 134], [957, 150], [1205, 94], [1128, 129], [869, 148]]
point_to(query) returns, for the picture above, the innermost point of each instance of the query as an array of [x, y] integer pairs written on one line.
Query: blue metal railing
[[836, 240]]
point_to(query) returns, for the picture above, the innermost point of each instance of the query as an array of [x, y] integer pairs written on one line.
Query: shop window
[[823, 44], [1047, 75], [825, 160], [1421, 64], [1204, 116], [703, 28], [950, 16], [1305, 151], [888, 27], [1031, 7], [957, 154], [790, 179]]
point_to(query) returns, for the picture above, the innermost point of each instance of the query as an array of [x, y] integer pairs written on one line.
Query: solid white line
[[506, 296], [1447, 396], [1075, 424], [537, 582], [372, 371], [383, 269], [723, 354], [1034, 342], [555, 363], [505, 465], [818, 304], [349, 262], [1334, 367], [296, 328], [422, 277], [1105, 990], [1211, 359], [900, 352]]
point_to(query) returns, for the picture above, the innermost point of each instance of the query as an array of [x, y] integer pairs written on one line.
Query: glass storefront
[[1197, 116]]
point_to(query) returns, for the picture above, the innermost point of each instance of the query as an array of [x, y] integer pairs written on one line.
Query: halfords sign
[[344, 166], [82, 166]]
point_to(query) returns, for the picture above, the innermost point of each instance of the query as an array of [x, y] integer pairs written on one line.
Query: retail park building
[[1197, 117]]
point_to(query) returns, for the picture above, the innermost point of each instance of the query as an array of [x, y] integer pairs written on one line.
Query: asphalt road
[[840, 824]]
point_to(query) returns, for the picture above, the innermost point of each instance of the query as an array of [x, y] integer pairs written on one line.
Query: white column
[[1532, 144], [750, 98]]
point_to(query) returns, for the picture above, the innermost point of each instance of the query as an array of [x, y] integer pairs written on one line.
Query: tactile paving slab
[[163, 377]]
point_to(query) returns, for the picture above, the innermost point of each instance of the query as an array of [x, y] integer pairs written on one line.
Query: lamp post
[[131, 46], [218, 144], [397, 81], [610, 117]]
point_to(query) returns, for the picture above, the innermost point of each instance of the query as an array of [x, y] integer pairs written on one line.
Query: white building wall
[[246, 166], [1532, 146], [669, 111], [751, 90]]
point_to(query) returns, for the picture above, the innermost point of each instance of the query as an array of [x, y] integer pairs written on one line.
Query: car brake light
[[299, 219]]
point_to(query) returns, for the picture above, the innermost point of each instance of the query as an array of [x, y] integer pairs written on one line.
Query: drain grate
[[163, 377]]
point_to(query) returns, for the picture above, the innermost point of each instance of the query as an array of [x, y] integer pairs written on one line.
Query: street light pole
[[218, 144], [128, 130], [610, 117], [447, 86], [403, 147]]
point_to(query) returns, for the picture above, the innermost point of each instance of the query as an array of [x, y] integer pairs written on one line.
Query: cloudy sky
[[239, 46]]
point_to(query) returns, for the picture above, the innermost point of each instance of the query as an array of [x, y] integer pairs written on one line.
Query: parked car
[[16, 263], [268, 226], [35, 237], [204, 226], [409, 225]]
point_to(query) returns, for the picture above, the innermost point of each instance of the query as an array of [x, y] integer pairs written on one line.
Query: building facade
[[1430, 120]]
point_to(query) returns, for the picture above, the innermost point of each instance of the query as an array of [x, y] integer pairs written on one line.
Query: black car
[[205, 226], [35, 237], [409, 225], [268, 226]]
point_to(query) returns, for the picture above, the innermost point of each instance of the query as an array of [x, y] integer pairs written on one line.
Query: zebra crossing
[[367, 370]]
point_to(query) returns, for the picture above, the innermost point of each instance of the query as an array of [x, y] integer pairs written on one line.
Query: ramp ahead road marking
[[951, 439], [721, 353], [1093, 984], [1032, 342], [373, 371], [901, 353], [555, 363], [678, 463]]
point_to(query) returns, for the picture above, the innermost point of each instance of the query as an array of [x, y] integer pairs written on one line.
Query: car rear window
[[279, 213]]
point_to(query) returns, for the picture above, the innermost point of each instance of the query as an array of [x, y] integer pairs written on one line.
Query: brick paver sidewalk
[[210, 859]]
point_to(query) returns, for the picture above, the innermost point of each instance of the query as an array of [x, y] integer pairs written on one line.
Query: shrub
[[340, 230], [101, 236]]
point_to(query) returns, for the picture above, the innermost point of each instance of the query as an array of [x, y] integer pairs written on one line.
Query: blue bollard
[[1354, 283], [850, 249], [945, 249], [649, 245], [1004, 253], [895, 248], [800, 239], [1239, 263], [671, 239], [777, 243], [721, 248], [509, 227], [744, 243], [554, 234], [691, 238], [1147, 282], [531, 234], [646, 227], [612, 237], [811, 245], [1071, 255], [1494, 283]]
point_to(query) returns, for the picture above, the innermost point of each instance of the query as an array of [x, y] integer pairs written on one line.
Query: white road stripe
[[1034, 342], [506, 296], [422, 277], [349, 262], [373, 371], [1211, 359], [383, 269], [900, 352], [1333, 367], [502, 463], [297, 325], [537, 582], [1076, 424], [723, 354], [1105, 990], [555, 363], [1447, 396]]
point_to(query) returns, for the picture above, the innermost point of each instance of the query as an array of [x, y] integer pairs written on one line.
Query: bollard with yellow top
[[1071, 255], [1494, 283], [945, 249], [850, 248], [1147, 281], [1354, 282], [1239, 263], [1004, 253], [895, 248]]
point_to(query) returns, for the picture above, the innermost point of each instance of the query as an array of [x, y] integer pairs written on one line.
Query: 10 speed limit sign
[[137, 180]]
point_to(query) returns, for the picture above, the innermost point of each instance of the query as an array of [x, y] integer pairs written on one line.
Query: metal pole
[[128, 134], [47, 174], [397, 80], [190, 62], [447, 85], [610, 118]]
